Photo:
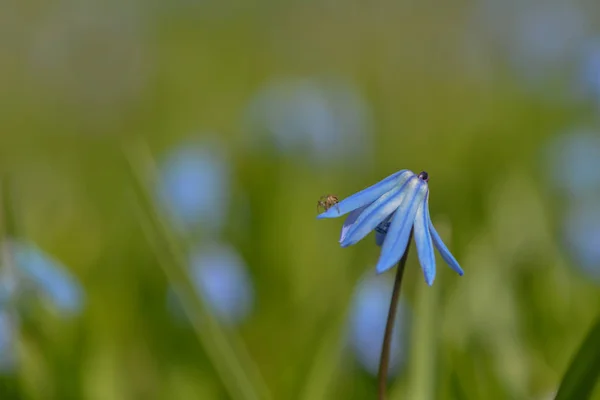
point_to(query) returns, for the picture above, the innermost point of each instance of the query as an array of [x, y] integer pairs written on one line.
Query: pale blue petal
[[423, 241], [221, 277], [373, 215], [368, 195], [350, 220], [367, 322], [50, 276], [398, 234], [444, 252]]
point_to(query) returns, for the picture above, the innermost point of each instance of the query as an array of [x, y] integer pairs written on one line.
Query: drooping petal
[[350, 220], [399, 231], [444, 252], [368, 195], [374, 214], [424, 242], [382, 228]]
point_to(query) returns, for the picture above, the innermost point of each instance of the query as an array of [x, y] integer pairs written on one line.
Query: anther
[[424, 176]]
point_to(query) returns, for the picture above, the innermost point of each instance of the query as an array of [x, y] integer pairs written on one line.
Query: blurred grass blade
[[225, 350], [457, 391], [8, 232], [326, 365], [584, 372], [423, 347]]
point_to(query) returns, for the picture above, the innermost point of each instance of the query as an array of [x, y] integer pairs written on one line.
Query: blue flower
[[392, 208], [220, 277], [326, 121], [368, 319], [44, 275], [581, 233], [195, 185]]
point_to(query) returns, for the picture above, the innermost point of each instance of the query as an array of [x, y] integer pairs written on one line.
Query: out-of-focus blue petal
[[349, 221], [49, 276], [587, 80], [399, 231], [377, 212], [367, 324], [220, 275], [444, 252], [424, 242], [368, 195], [325, 121], [382, 228], [577, 150], [581, 233], [195, 184], [8, 287], [526, 30]]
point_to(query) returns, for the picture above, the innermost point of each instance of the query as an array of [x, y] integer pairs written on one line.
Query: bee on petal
[[327, 201]]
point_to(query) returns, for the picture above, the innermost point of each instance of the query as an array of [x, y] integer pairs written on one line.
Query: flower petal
[[423, 241], [444, 252], [382, 228], [49, 276], [350, 220], [375, 213], [398, 234], [368, 195]]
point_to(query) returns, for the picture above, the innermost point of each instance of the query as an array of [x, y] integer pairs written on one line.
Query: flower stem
[[389, 327]]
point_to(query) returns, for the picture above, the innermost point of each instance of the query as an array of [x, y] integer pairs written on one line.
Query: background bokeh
[[161, 162]]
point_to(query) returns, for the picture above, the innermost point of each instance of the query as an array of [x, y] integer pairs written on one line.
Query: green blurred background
[[141, 141]]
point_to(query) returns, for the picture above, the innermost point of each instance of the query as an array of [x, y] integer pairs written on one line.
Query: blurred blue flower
[[37, 271], [326, 121], [546, 36], [588, 76], [8, 287], [573, 161], [393, 207], [367, 325], [195, 185], [540, 38], [221, 278], [582, 235]]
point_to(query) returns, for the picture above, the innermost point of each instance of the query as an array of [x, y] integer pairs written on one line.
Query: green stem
[[231, 360], [389, 327]]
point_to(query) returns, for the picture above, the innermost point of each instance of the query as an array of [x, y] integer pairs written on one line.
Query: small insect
[[327, 201]]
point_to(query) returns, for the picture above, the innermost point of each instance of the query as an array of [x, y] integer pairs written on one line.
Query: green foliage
[[507, 329], [584, 371]]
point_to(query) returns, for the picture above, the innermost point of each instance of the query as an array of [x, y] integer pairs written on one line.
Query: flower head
[[393, 207], [37, 271]]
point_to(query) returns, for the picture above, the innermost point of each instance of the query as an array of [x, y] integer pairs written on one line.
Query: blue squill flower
[[195, 185], [44, 275], [368, 320], [392, 208], [220, 277]]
